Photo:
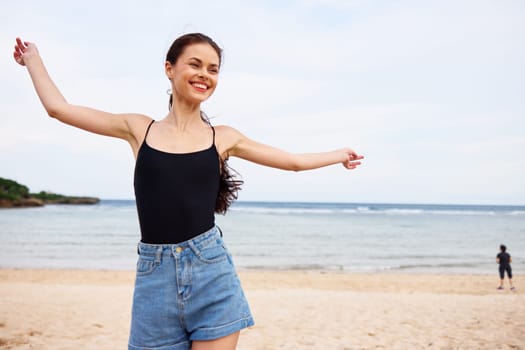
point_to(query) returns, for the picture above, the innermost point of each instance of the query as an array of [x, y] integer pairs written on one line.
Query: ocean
[[348, 237]]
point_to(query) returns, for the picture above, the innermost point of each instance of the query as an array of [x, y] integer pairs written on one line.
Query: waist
[[198, 242], [164, 222]]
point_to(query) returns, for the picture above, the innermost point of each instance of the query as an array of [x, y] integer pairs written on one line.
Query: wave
[[312, 208], [470, 265], [428, 268], [361, 210], [264, 210], [294, 267]]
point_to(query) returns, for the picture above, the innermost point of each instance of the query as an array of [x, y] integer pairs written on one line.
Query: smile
[[200, 86]]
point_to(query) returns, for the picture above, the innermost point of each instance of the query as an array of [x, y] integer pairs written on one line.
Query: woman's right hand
[[23, 50]]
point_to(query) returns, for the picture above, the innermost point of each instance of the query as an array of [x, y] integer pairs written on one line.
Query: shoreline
[[436, 283], [293, 310]]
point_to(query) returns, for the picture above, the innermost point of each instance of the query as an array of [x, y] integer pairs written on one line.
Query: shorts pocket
[[212, 253], [145, 265]]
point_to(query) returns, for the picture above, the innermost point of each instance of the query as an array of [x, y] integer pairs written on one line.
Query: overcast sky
[[430, 92]]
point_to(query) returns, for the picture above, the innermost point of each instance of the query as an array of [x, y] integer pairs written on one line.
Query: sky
[[431, 93]]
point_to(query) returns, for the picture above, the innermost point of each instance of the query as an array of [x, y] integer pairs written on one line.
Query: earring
[[168, 92]]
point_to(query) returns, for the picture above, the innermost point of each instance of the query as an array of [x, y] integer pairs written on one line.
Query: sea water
[[352, 237]]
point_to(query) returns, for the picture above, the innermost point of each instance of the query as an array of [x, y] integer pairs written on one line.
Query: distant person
[[187, 294], [504, 259]]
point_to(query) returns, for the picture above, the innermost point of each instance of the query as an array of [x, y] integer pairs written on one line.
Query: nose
[[203, 73]]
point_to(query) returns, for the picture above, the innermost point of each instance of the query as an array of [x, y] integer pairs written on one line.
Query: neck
[[183, 114]]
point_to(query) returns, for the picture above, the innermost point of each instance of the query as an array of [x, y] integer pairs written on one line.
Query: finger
[[353, 155], [21, 44], [352, 165]]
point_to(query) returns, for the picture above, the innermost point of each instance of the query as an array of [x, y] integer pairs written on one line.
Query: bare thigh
[[228, 342]]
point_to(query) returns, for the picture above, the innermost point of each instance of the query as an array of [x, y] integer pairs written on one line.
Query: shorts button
[[178, 249]]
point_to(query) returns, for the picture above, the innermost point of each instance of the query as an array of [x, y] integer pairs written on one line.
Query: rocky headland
[[13, 194]]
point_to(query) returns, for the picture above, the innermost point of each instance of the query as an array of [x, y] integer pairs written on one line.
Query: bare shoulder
[[137, 124], [226, 138], [228, 134], [226, 130]]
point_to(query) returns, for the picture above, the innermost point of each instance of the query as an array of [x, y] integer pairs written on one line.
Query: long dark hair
[[229, 185]]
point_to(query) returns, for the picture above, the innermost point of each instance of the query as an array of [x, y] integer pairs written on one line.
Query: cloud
[[431, 93]]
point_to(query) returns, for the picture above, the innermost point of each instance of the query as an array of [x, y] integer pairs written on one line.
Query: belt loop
[[218, 228], [158, 255]]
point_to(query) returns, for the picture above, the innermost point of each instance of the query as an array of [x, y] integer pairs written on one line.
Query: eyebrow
[[200, 61]]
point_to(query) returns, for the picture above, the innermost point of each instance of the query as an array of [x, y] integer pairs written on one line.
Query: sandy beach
[[80, 309]]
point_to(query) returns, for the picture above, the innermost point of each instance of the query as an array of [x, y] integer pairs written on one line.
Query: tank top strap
[[213, 129], [216, 150], [147, 130]]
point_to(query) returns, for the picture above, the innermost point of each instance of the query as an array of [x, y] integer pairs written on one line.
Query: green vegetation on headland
[[13, 194]]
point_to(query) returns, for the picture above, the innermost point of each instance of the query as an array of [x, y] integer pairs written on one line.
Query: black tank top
[[175, 192]]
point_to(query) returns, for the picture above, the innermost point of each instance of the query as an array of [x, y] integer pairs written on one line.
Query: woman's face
[[195, 74]]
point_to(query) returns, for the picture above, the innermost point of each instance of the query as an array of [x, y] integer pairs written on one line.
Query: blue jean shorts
[[185, 292]]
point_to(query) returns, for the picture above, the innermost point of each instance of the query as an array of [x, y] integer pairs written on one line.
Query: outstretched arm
[[259, 153], [116, 125]]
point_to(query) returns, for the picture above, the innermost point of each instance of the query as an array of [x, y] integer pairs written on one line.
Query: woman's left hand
[[352, 160]]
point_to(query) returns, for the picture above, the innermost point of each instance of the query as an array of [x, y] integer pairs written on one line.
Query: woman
[[187, 294]]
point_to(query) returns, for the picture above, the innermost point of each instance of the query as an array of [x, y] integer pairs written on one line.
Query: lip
[[199, 86]]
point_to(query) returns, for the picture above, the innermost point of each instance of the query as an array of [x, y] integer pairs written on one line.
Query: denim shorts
[[185, 292]]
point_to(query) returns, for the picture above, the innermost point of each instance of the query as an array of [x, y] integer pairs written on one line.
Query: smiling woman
[[198, 48], [199, 58], [187, 294]]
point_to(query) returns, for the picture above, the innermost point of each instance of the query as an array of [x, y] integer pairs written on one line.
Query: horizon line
[[353, 202]]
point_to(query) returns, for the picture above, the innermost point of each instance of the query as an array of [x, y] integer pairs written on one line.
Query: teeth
[[200, 86]]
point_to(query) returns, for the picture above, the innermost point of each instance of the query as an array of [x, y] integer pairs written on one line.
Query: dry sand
[[62, 309]]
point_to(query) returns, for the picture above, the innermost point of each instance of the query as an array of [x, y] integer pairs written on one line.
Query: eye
[[213, 70], [194, 65]]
